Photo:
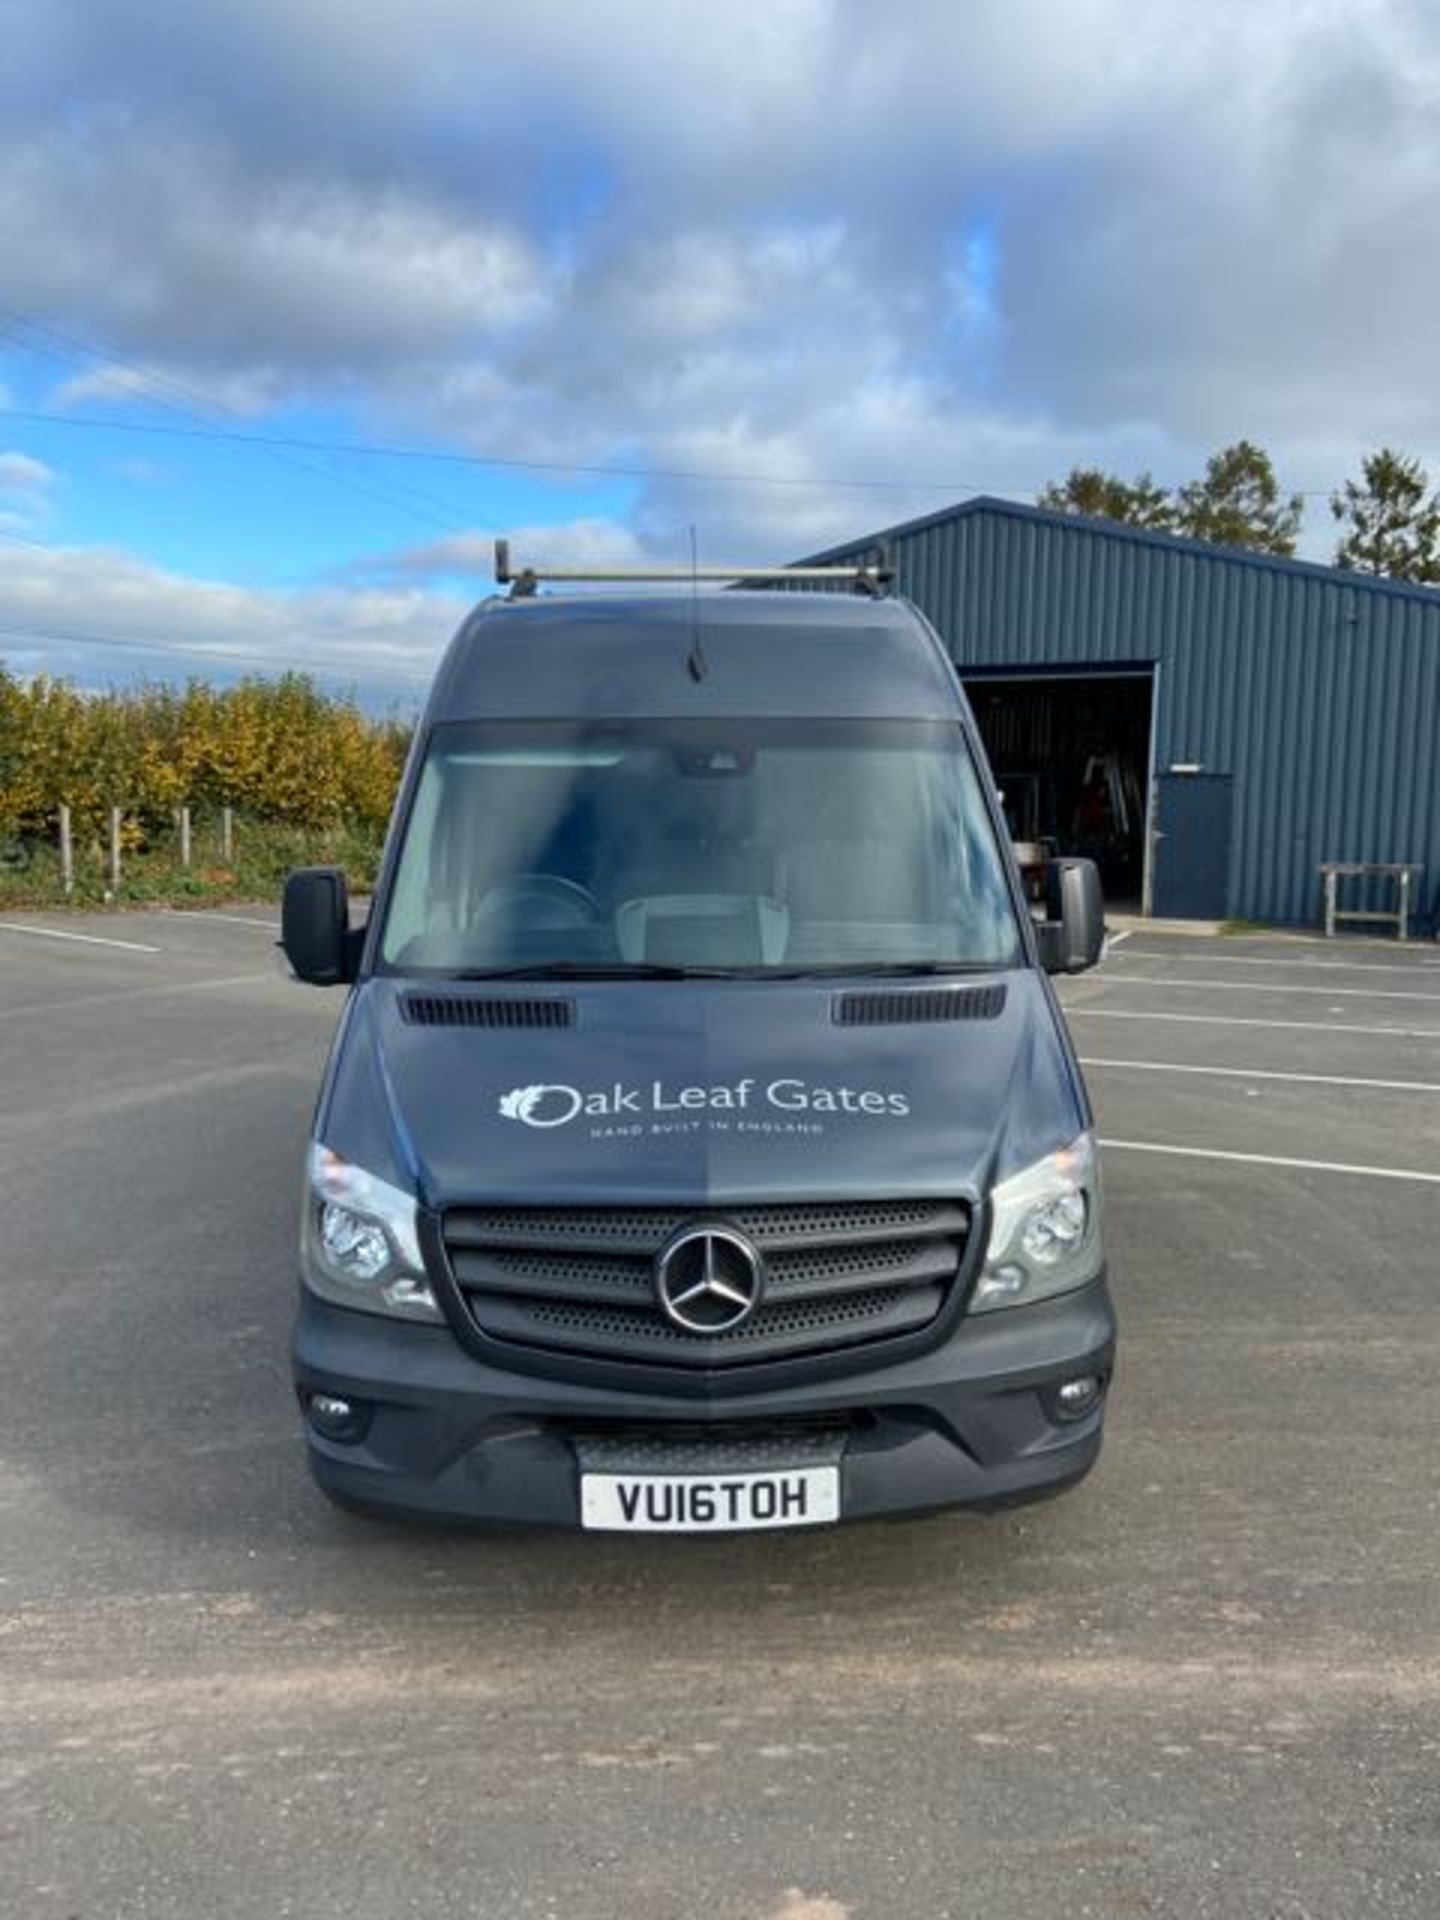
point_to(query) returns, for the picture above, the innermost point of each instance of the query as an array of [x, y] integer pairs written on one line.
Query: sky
[[304, 301]]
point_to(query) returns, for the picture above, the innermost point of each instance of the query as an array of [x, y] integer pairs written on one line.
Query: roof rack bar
[[524, 580]]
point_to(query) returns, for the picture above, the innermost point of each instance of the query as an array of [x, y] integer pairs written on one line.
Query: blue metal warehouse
[[1212, 724]]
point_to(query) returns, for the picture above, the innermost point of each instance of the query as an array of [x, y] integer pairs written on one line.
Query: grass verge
[[151, 875]]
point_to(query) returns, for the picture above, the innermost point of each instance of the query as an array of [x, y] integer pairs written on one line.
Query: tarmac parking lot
[[1205, 1683]]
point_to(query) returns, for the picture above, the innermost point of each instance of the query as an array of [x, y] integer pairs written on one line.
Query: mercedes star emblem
[[708, 1279]]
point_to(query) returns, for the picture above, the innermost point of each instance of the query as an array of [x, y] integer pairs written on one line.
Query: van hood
[[708, 1093]]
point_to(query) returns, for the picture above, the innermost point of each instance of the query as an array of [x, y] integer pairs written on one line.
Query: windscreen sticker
[[784, 1105]]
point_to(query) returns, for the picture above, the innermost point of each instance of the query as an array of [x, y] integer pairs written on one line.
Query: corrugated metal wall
[[1319, 692]]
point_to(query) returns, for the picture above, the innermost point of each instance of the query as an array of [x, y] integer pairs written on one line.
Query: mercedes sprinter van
[[701, 1146]]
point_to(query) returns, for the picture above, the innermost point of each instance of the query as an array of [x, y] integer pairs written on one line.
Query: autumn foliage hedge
[[279, 751]]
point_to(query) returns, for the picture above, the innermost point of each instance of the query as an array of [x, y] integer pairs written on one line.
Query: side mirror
[[1073, 937], [315, 926]]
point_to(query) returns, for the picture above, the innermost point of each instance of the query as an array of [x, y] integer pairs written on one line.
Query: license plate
[[709, 1503]]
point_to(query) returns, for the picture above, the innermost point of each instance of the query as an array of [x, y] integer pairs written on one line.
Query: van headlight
[[1044, 1230], [359, 1243]]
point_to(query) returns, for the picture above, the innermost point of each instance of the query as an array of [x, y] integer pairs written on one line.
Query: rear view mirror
[[1073, 937], [315, 926]]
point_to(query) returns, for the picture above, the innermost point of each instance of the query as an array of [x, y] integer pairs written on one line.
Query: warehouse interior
[[1071, 755]]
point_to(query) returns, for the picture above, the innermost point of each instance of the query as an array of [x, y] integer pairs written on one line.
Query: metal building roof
[[990, 504]]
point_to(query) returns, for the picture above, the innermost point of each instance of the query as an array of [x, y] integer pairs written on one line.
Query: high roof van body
[[701, 1146]]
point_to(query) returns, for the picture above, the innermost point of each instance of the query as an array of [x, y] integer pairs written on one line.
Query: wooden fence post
[[67, 853], [115, 849]]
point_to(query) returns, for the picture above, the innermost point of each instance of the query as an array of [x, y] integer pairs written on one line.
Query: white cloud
[[22, 473], [796, 238], [200, 266], [26, 486], [109, 384], [586, 542], [99, 616]]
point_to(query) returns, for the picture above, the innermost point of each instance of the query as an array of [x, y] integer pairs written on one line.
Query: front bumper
[[970, 1423]]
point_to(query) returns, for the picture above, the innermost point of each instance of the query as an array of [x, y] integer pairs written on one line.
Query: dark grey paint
[[984, 1097], [706, 1093], [772, 655]]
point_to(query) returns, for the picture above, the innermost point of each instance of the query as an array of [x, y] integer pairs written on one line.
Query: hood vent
[[471, 1010], [896, 1008]]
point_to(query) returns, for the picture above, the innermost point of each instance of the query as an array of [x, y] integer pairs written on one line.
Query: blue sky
[[268, 515], [804, 267]]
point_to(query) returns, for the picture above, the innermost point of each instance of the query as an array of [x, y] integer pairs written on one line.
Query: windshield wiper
[[883, 969], [656, 970], [592, 970]]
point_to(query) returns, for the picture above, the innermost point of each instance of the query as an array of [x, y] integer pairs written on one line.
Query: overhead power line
[[444, 456], [384, 450], [129, 643], [97, 355], [195, 405], [144, 643]]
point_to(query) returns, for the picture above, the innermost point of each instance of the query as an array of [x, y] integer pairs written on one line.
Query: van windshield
[[775, 846]]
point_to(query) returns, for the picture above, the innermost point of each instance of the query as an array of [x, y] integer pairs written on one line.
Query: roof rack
[[524, 581]]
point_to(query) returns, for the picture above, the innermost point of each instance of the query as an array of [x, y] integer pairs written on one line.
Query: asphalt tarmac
[[1206, 1683]]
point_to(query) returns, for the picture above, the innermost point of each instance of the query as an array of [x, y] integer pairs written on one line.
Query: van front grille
[[582, 1280]]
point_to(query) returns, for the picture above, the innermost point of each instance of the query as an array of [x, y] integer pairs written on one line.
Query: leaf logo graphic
[[559, 1104]]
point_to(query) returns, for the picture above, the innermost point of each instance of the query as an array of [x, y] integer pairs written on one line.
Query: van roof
[[780, 654]]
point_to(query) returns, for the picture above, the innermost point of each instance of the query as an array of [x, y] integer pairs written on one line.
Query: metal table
[[1405, 874]]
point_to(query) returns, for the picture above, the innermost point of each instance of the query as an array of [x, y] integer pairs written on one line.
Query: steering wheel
[[570, 904]]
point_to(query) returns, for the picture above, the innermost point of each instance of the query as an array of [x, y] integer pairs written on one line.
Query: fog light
[[1075, 1398], [334, 1418]]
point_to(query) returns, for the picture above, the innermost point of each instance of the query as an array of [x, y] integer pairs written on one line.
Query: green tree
[[1105, 496], [12, 741], [1238, 503], [1390, 526]]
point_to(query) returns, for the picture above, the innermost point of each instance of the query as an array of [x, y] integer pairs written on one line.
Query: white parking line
[[1364, 942], [1117, 939], [1270, 1160], [84, 939], [1258, 1073], [1302, 963], [78, 1003], [1227, 1020], [1265, 986], [217, 919]]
